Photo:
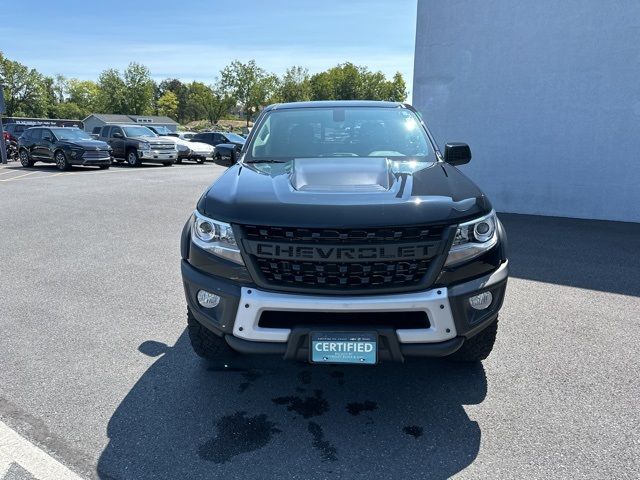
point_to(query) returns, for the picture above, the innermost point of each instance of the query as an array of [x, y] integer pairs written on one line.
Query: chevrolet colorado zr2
[[344, 235]]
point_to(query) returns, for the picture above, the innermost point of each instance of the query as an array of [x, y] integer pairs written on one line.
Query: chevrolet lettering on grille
[[341, 253]]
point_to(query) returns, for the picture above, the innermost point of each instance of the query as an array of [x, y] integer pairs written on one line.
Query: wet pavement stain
[[305, 377], [413, 430], [237, 434], [338, 376], [307, 407], [326, 449], [356, 408], [250, 377]]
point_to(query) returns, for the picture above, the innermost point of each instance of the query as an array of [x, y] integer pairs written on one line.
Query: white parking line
[[16, 449], [19, 176]]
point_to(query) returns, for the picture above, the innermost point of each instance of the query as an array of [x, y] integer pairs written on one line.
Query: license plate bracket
[[343, 347]]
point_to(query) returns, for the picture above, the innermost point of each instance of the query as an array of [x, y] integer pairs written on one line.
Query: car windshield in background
[[163, 131], [138, 132], [340, 132], [71, 134], [232, 137]]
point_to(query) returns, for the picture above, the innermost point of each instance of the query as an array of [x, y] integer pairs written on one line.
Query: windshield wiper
[[265, 161]]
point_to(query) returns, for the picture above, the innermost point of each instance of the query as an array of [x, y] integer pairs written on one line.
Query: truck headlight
[[215, 237], [144, 146], [473, 239]]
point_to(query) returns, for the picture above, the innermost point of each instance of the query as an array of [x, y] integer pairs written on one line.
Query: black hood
[[332, 192], [87, 144]]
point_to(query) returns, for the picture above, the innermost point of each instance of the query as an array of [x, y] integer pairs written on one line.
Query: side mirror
[[118, 135], [457, 153]]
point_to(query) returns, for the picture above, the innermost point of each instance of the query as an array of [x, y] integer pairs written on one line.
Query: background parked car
[[137, 144], [183, 135], [63, 146], [228, 145], [187, 150]]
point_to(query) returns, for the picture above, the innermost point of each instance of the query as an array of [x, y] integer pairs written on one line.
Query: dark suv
[[344, 235], [137, 144], [227, 145], [63, 146]]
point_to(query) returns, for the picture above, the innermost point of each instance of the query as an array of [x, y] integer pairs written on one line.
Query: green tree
[[249, 84], [25, 89], [68, 110], [112, 92], [139, 87], [351, 82], [168, 104], [398, 88], [322, 88], [180, 90], [295, 85], [85, 94]]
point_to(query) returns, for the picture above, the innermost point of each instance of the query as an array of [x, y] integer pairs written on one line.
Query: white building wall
[[546, 93]]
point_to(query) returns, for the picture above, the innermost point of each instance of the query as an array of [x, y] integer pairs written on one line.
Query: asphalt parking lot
[[97, 370]]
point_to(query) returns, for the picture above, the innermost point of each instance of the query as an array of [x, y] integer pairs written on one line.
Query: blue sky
[[193, 40]]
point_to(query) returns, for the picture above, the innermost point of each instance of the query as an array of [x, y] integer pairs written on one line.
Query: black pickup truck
[[137, 144], [344, 235]]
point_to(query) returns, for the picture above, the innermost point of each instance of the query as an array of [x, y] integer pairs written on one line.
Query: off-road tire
[[479, 347], [205, 343], [104, 167]]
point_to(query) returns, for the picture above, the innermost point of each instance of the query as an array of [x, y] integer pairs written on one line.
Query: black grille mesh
[[344, 236], [374, 274]]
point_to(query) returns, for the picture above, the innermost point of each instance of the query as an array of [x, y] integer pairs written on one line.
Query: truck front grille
[[163, 146], [294, 261]]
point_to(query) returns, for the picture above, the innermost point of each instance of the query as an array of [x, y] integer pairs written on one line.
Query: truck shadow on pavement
[[263, 418], [591, 254]]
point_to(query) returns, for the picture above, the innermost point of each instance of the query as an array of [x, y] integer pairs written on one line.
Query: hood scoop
[[341, 175]]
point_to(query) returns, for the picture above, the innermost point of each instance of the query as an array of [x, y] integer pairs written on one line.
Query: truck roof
[[336, 104]]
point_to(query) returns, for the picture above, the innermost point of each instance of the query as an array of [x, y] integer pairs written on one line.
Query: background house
[[100, 119], [547, 95]]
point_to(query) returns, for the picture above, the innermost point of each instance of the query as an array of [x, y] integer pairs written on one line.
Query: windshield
[[138, 132], [234, 137], [162, 130], [71, 134], [340, 132]]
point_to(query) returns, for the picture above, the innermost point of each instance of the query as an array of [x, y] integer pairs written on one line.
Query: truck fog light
[[481, 301], [208, 299]]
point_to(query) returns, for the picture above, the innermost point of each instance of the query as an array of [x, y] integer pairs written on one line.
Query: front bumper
[[451, 318], [158, 156]]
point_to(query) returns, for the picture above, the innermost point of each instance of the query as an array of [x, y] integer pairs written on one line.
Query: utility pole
[[3, 147]]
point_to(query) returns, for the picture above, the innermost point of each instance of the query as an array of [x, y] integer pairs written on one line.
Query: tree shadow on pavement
[[260, 417], [591, 254]]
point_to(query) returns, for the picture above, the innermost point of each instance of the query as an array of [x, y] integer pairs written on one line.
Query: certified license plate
[[344, 347]]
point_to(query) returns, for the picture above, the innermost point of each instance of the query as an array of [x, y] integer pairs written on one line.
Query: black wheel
[[61, 161], [167, 164], [217, 158], [205, 343], [200, 160], [179, 160], [103, 167], [479, 347], [25, 159], [132, 158]]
